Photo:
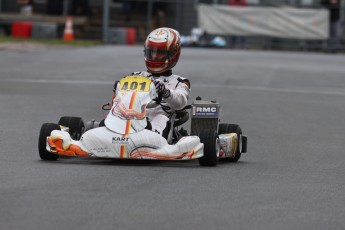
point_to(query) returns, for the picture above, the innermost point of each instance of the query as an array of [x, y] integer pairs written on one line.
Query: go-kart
[[125, 132]]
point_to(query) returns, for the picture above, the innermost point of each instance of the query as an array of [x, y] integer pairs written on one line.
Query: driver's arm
[[178, 97]]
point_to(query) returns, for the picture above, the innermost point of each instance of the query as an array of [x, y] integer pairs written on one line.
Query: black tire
[[223, 128], [46, 129], [210, 140], [233, 128], [75, 124]]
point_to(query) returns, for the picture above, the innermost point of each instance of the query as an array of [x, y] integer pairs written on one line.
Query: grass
[[79, 43]]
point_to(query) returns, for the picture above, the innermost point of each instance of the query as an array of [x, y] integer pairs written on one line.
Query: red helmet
[[162, 50]]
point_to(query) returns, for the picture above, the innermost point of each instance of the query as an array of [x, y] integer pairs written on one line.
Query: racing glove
[[160, 88]]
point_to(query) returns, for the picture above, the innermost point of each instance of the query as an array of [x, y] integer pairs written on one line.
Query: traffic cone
[[68, 32]]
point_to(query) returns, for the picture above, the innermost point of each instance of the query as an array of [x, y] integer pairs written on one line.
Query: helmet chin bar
[[163, 65]]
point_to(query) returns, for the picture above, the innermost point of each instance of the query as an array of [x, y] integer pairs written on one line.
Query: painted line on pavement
[[255, 88]]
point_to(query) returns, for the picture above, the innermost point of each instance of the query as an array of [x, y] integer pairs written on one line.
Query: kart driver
[[162, 50]]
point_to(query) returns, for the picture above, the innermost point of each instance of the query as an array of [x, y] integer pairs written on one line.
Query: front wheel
[[210, 140], [232, 128], [46, 130], [75, 124]]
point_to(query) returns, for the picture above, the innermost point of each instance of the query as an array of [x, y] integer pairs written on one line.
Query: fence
[[182, 15], [271, 42]]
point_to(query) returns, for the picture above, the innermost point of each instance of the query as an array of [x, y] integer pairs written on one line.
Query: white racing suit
[[177, 100]]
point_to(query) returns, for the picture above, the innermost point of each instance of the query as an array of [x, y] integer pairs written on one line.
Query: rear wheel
[[75, 124], [46, 130], [210, 140], [233, 128]]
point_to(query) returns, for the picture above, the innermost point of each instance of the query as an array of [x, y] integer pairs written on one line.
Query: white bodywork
[[141, 145], [124, 134]]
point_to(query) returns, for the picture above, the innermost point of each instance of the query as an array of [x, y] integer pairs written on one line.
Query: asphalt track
[[290, 105]]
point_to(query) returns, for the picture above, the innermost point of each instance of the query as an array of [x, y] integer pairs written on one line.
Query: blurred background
[[316, 25]]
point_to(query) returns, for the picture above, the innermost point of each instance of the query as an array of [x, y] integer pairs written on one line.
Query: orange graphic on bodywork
[[55, 144], [122, 151], [139, 154], [122, 112]]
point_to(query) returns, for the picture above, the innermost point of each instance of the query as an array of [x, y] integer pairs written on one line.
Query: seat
[[182, 117]]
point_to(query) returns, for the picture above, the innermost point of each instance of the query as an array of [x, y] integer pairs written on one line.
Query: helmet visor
[[155, 54]]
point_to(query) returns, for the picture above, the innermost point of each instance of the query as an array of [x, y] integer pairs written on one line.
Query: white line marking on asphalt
[[256, 88], [60, 81], [279, 90]]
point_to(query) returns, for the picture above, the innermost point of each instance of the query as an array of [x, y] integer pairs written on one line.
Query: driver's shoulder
[[176, 77], [179, 79], [142, 73]]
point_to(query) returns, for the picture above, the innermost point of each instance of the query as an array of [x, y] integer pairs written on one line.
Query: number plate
[[135, 83]]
